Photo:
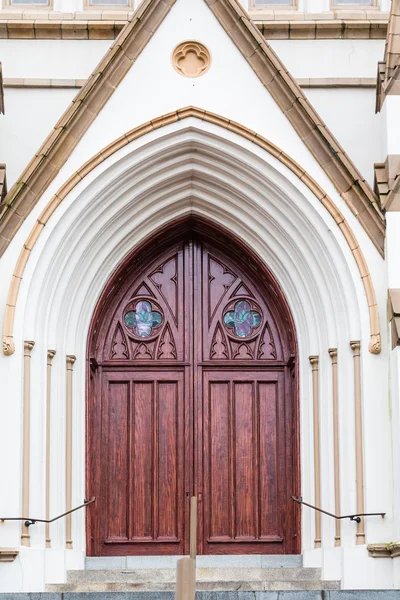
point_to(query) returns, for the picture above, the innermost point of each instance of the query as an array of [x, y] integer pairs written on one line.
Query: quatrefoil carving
[[191, 59]]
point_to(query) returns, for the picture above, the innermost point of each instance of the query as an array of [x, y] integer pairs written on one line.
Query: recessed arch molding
[[127, 138]]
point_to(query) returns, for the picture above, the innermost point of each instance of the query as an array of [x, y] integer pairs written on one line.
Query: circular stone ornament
[[191, 59]]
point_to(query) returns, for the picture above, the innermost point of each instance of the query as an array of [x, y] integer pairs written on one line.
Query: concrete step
[[202, 574], [260, 561], [225, 585]]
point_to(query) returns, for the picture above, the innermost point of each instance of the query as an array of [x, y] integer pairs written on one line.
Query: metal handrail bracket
[[29, 521], [355, 517]]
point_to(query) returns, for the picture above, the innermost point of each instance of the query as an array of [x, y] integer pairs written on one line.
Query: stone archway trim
[[130, 136], [100, 86]]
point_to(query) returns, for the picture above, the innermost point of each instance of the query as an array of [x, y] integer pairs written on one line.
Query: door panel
[[191, 391], [144, 435], [242, 460]]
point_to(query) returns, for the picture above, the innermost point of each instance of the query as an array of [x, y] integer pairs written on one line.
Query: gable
[[291, 107]]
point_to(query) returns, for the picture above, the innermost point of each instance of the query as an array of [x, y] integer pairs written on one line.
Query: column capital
[[50, 355], [314, 360], [333, 354], [355, 346], [28, 345], [70, 361]]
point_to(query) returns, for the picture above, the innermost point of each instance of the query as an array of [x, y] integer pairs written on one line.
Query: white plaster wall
[[66, 253], [51, 59], [30, 116], [350, 115], [391, 125], [330, 58]]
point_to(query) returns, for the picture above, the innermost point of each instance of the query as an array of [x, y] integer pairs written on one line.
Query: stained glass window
[[242, 319], [143, 319]]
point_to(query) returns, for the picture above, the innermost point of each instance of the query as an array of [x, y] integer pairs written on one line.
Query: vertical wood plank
[[243, 396], [185, 579], [314, 360], [219, 459], [26, 441], [268, 460], [193, 527], [68, 452], [118, 405], [50, 356], [356, 346], [168, 439]]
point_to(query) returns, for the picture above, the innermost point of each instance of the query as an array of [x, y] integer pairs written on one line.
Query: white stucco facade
[[197, 167]]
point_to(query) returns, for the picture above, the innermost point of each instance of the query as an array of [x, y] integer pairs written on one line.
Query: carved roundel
[[143, 318], [242, 318], [191, 59]]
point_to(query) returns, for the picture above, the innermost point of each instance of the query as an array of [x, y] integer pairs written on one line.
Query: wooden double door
[[192, 392]]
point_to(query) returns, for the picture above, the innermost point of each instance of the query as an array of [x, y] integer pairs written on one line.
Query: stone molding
[[279, 29], [8, 554], [391, 550], [388, 77], [387, 182], [182, 59], [394, 316], [337, 165], [303, 82], [326, 201], [57, 148], [1, 90]]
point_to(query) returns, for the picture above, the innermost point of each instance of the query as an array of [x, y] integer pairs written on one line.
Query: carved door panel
[[191, 392]]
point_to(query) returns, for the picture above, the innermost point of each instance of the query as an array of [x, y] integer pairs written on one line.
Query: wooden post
[[185, 579], [193, 528]]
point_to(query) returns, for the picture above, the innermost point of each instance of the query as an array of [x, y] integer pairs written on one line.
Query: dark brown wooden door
[[192, 391]]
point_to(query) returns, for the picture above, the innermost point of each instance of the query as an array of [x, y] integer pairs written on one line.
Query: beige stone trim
[[389, 69], [26, 440], [282, 27], [1, 90], [355, 346], [85, 107], [336, 446], [337, 82], [349, 183], [300, 27], [314, 360], [191, 59], [57, 148], [184, 113], [394, 316], [16, 82], [387, 182], [390, 550], [68, 453], [8, 554], [50, 356], [308, 82]]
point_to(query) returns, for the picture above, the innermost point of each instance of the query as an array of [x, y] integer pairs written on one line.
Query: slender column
[[50, 356], [336, 465], [26, 441], [68, 452], [355, 346], [314, 360]]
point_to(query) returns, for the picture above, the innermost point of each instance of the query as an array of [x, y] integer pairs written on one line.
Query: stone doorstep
[[233, 595], [202, 574], [265, 561]]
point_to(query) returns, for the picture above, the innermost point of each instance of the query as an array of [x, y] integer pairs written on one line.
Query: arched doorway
[[192, 389]]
